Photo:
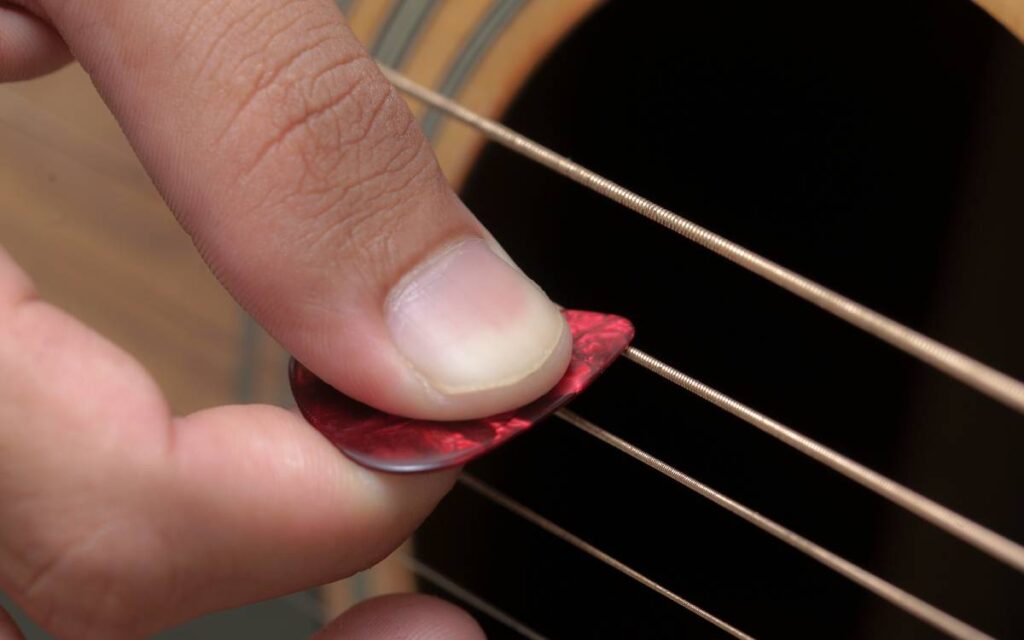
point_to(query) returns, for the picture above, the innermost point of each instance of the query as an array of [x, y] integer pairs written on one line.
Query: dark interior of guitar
[[878, 148]]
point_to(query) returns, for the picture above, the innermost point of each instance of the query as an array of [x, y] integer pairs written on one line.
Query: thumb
[[308, 188]]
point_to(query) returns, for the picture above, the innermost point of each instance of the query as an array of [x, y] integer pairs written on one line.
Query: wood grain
[[78, 212]]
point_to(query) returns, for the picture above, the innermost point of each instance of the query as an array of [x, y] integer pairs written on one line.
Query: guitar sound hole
[[876, 147]]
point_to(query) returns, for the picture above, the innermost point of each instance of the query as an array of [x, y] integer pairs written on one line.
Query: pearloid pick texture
[[395, 444]]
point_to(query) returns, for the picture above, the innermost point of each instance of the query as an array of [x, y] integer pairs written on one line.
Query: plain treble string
[[522, 511], [959, 526], [971, 372], [448, 585], [886, 590]]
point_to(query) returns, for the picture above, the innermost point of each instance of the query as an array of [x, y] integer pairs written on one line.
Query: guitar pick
[[395, 444]]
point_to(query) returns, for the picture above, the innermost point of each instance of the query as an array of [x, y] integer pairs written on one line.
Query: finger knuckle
[[100, 564], [318, 135], [343, 153], [357, 160]]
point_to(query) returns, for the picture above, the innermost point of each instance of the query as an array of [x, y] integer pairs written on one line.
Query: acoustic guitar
[[875, 149]]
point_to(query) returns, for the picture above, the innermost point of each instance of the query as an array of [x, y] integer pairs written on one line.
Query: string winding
[[969, 371], [957, 365]]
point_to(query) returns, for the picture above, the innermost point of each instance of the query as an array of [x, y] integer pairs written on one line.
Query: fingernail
[[468, 321]]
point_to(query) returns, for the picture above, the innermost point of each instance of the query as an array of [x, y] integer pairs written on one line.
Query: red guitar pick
[[392, 443]]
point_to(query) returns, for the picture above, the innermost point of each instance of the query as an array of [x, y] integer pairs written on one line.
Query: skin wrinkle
[[46, 552], [420, 153], [195, 23], [338, 193], [106, 606], [417, 165], [402, 132], [353, 235], [352, 238], [319, 304], [402, 159], [364, 190], [251, 33], [39, 578], [378, 215], [413, 168], [382, 239], [304, 122], [399, 262], [364, 243], [268, 79], [325, 150], [201, 26]]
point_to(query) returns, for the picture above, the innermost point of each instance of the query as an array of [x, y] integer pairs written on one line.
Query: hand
[[309, 190]]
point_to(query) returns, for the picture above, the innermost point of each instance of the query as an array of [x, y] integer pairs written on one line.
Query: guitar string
[[446, 584], [963, 528], [522, 511], [969, 371], [880, 587], [955, 524]]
